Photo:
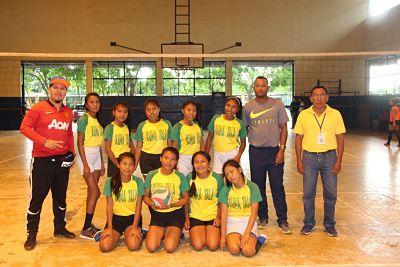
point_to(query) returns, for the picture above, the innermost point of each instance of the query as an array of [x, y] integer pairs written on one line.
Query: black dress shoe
[[63, 232], [30, 242]]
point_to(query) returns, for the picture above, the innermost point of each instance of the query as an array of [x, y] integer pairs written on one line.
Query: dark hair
[[172, 150], [116, 183], [239, 102], [319, 86], [198, 111], [262, 78], [232, 163], [193, 191], [154, 102], [86, 101], [128, 118]]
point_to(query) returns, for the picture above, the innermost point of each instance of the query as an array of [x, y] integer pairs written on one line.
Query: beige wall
[[77, 26], [383, 32]]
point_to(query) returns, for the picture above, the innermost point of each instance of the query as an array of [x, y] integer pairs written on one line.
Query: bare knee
[[234, 249], [198, 246], [151, 246], [213, 246], [134, 246], [248, 252], [170, 246], [105, 246]]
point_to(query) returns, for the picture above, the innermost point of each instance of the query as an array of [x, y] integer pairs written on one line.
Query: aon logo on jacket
[[58, 125]]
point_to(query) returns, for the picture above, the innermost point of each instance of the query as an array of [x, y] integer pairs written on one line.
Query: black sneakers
[[30, 242], [63, 232]]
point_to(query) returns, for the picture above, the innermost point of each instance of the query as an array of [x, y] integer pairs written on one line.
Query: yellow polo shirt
[[308, 126]]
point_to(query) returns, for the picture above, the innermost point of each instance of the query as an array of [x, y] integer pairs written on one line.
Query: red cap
[[61, 80]]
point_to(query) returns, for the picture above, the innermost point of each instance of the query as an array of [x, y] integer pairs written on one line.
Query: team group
[[181, 185]]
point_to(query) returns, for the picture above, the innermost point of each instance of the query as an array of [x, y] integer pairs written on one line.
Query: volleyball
[[161, 197]]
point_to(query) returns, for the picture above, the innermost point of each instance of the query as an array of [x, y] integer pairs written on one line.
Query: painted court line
[[19, 156], [359, 211]]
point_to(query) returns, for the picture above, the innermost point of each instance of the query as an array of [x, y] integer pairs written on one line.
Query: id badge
[[321, 139]]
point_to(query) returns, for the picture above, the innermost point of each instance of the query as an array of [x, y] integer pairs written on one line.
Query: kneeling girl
[[239, 205], [124, 193], [166, 221], [204, 216]]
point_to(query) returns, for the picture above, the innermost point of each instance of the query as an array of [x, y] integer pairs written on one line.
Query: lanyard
[[322, 123]]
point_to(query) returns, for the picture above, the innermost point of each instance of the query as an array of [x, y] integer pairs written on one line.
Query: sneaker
[[285, 228], [331, 231], [88, 233], [182, 236], [30, 242], [63, 232], [96, 229], [307, 229], [261, 239], [144, 233], [97, 236], [262, 223]]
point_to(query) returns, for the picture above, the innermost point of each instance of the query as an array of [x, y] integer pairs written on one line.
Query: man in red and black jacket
[[49, 125]]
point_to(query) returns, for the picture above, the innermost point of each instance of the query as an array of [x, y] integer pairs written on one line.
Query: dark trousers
[[262, 162], [47, 174]]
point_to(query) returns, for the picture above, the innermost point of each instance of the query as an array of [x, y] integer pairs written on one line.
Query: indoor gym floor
[[367, 215]]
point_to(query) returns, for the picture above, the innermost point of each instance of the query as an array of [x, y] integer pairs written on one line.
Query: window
[[279, 74], [383, 75], [36, 77], [124, 78], [198, 81], [377, 7]]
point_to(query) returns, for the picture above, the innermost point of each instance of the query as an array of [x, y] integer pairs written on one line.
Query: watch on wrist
[[283, 147]]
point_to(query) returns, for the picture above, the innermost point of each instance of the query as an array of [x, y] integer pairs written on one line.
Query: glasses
[[319, 96]]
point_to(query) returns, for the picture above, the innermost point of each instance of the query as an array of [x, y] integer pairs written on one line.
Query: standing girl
[[239, 206], [90, 162], [394, 121], [187, 136], [117, 137], [227, 130], [166, 221], [124, 193], [204, 216], [152, 136]]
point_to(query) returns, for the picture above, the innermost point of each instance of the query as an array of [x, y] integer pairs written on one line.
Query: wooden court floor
[[367, 215]]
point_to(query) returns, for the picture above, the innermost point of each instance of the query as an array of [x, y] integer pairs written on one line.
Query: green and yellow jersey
[[226, 133], [204, 205], [154, 135], [239, 200], [125, 204], [119, 138], [188, 137], [91, 129], [174, 182]]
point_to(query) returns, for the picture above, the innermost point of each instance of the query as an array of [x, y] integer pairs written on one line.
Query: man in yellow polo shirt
[[320, 136]]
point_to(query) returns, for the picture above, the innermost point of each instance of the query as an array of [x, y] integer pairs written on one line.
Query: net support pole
[[228, 77], [89, 75]]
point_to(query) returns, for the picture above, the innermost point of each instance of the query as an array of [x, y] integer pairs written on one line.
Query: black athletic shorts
[[164, 219], [120, 223], [149, 162], [196, 222]]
